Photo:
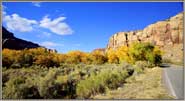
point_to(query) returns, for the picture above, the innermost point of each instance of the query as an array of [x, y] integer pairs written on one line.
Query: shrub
[[116, 78], [89, 86], [47, 86], [127, 67], [138, 70], [5, 78], [55, 85], [100, 82], [141, 65], [27, 60], [15, 89], [6, 61]]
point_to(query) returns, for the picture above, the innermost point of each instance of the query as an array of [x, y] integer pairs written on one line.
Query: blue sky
[[66, 26]]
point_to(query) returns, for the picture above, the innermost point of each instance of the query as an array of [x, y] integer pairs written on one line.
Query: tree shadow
[[164, 65]]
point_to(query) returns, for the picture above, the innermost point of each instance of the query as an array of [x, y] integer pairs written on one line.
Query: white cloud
[[50, 44], [36, 4], [15, 22], [4, 13], [56, 25]]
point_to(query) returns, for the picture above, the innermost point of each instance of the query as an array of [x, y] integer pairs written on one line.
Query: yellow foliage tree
[[7, 57], [74, 57], [86, 58], [123, 55], [98, 57], [112, 56], [60, 58], [46, 60]]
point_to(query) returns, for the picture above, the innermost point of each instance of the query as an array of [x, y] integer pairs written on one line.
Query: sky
[[84, 26]]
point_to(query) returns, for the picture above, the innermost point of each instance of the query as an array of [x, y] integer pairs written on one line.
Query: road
[[173, 78]]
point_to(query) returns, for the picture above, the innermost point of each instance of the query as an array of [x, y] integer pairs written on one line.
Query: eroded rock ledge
[[168, 35]]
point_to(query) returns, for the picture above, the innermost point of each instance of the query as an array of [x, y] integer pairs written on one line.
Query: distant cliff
[[168, 35], [11, 42]]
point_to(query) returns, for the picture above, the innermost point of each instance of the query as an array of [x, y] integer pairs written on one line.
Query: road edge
[[168, 84]]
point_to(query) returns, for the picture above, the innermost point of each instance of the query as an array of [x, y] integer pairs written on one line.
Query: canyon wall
[[168, 35]]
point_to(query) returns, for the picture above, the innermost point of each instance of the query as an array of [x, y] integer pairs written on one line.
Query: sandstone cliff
[[168, 35]]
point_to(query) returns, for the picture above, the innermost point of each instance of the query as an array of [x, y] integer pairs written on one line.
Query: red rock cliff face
[[168, 35]]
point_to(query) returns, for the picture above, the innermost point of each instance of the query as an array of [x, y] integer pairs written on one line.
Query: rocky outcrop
[[165, 34], [102, 50], [11, 42]]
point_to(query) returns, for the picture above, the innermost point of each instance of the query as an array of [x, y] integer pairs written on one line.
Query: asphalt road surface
[[173, 78]]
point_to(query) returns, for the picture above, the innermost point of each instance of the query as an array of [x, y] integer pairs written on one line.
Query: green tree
[[145, 52]]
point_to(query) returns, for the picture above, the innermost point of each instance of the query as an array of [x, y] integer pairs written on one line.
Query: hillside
[[11, 42], [168, 35]]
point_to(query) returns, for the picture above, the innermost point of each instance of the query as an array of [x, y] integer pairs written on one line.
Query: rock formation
[[168, 35], [11, 42]]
